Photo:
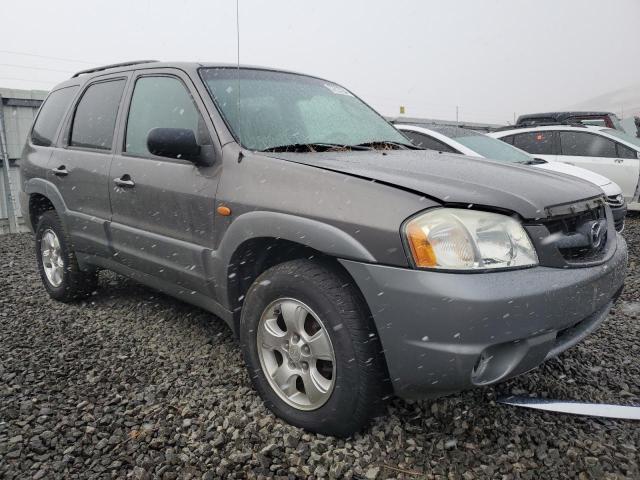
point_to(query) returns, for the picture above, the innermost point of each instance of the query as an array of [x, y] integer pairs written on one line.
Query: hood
[[576, 172], [456, 179]]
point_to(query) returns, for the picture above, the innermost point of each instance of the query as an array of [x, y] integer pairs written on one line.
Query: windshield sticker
[[338, 90]]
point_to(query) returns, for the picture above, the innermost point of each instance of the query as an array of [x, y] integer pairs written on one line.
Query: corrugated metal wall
[[19, 108]]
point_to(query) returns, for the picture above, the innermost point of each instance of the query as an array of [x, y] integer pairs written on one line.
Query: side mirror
[[174, 143]]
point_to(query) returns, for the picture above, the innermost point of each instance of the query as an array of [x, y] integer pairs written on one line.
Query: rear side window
[[425, 141], [536, 143], [625, 152], [50, 116], [582, 144], [95, 118], [161, 102]]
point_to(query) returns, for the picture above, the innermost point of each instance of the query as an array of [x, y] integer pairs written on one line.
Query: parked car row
[[609, 152], [350, 263], [599, 119], [469, 142]]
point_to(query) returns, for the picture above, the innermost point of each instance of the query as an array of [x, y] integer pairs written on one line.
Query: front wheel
[[311, 348]]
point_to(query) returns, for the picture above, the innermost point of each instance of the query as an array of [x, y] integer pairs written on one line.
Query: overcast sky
[[492, 58]]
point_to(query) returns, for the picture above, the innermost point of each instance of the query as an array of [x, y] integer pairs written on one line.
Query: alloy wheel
[[296, 354], [52, 260]]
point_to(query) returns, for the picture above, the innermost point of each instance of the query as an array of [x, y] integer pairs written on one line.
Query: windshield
[[278, 109], [494, 149], [623, 136]]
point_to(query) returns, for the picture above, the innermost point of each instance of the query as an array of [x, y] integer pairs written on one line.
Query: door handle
[[619, 160], [124, 181], [61, 171]]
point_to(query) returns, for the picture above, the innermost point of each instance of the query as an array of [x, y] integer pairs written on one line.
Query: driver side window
[[161, 102]]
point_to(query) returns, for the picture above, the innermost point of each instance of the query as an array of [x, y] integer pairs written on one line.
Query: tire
[[319, 293], [65, 281]]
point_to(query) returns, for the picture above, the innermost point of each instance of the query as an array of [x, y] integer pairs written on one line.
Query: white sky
[[490, 57]]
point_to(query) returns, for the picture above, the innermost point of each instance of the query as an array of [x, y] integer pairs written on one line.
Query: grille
[[615, 201], [580, 237]]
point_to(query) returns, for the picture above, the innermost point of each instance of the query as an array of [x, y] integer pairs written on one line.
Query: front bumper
[[446, 332]]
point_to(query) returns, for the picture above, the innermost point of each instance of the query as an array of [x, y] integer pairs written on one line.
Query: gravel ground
[[133, 384]]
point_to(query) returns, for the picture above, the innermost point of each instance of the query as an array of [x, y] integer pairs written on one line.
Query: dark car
[[600, 119], [350, 264]]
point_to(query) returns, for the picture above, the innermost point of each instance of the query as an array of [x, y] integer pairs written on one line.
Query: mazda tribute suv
[[350, 264]]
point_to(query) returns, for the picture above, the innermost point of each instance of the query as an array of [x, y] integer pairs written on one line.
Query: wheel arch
[[43, 196], [275, 232]]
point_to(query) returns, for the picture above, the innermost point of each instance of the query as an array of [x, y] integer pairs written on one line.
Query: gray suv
[[350, 264]]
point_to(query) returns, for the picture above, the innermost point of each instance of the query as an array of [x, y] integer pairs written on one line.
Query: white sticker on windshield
[[337, 89]]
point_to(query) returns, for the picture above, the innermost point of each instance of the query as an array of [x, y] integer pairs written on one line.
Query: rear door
[[600, 155], [163, 208], [44, 134], [540, 144], [80, 169]]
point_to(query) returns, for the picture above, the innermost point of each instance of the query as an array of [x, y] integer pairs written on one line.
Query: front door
[[80, 170], [163, 208]]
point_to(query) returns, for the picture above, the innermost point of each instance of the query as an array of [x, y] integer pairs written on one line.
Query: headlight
[[458, 239]]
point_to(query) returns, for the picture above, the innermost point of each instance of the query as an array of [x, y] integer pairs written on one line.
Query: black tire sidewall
[[336, 416]]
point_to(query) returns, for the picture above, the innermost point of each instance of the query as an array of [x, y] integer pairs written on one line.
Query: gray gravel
[[133, 384]]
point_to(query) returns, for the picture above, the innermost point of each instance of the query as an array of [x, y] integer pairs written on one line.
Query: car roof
[[544, 128], [559, 116], [83, 76]]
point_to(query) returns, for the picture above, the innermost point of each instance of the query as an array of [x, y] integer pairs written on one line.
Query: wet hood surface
[[457, 179]]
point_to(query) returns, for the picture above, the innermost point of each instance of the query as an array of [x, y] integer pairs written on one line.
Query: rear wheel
[[311, 348], [59, 270]]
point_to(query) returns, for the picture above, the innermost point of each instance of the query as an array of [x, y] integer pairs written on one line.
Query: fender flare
[[48, 190], [315, 234]]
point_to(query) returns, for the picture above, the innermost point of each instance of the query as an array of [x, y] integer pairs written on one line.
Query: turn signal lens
[[421, 249]]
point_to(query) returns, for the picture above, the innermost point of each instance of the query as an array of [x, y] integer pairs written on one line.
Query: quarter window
[[536, 143], [625, 152], [586, 145], [95, 118], [161, 102], [425, 141], [50, 116]]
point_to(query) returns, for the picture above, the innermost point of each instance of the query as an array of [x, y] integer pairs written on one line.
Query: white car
[[473, 143], [608, 152]]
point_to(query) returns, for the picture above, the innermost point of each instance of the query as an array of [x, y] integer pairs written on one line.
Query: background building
[[17, 110]]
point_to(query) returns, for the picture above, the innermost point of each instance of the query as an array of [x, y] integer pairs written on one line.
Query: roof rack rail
[[542, 124], [113, 65]]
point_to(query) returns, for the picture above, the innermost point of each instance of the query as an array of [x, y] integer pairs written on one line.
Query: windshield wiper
[[387, 144], [314, 147]]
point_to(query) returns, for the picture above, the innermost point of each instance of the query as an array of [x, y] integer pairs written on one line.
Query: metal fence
[[17, 111]]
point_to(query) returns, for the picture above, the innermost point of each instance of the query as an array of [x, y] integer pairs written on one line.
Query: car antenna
[[240, 155]]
